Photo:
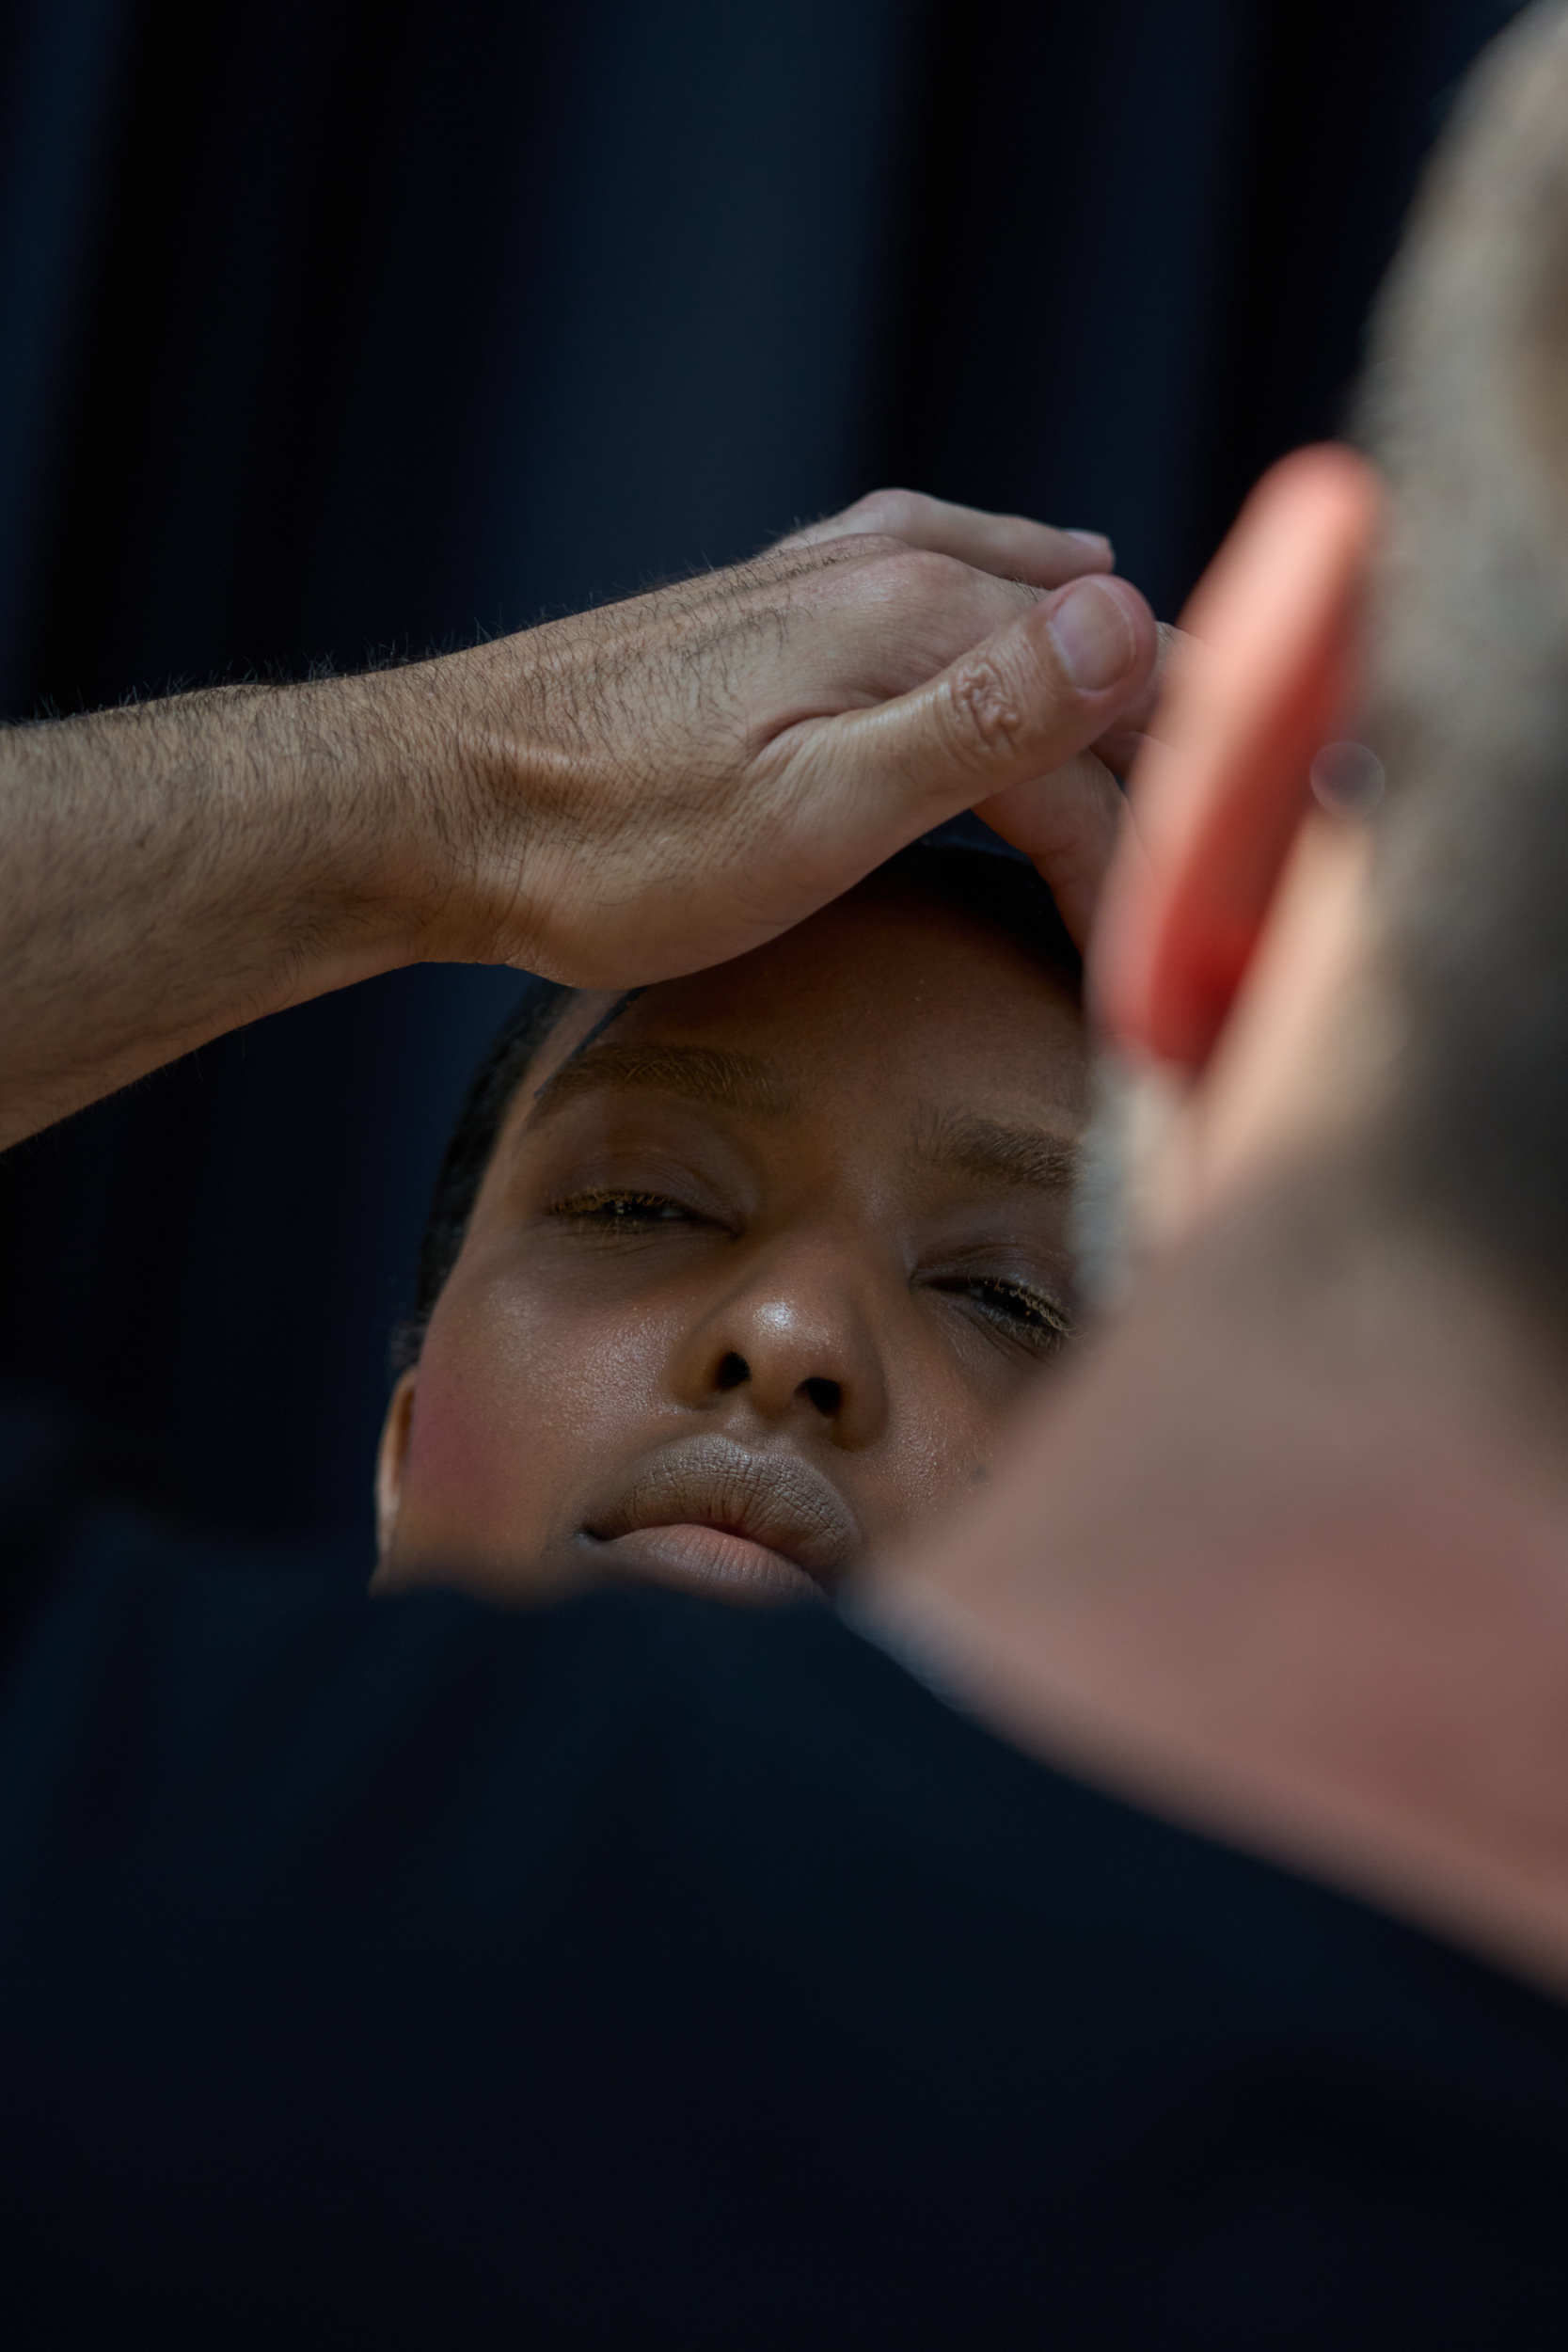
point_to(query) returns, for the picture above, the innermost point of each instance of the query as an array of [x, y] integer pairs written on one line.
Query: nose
[[795, 1343]]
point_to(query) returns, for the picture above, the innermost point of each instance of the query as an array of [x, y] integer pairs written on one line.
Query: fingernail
[[1092, 539], [1093, 635]]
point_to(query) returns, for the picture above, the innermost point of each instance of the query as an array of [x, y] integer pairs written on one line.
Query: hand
[[660, 785], [1070, 822], [617, 798]]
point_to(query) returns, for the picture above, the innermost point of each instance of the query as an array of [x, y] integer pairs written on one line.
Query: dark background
[[329, 329]]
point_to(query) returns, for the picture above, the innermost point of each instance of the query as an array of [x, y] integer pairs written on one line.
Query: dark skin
[[753, 1284]]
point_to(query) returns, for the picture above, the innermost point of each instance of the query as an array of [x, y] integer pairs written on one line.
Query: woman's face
[[753, 1284]]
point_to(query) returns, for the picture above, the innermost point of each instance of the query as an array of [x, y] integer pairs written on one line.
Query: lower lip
[[705, 1560]]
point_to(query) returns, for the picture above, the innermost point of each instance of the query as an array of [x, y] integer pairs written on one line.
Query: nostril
[[824, 1394], [732, 1372]]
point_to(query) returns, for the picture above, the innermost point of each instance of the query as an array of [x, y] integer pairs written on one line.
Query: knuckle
[[987, 716], [894, 511], [946, 583], [920, 580], [887, 582], [928, 568], [850, 565]]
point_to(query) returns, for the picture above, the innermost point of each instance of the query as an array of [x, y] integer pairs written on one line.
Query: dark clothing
[[641, 1973]]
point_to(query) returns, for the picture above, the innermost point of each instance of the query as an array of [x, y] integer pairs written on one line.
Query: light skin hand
[[1074, 821], [1070, 821], [1008, 544], [613, 799]]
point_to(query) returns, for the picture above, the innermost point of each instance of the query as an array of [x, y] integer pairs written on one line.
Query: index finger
[[1009, 545], [1140, 719]]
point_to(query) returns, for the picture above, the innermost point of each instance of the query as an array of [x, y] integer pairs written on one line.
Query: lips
[[717, 1517]]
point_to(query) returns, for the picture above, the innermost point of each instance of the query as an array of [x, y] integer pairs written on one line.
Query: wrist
[[466, 809], [289, 794], [353, 802]]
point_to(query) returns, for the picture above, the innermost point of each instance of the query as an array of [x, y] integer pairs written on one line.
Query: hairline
[[958, 878]]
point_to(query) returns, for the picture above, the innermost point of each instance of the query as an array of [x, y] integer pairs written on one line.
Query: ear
[[1218, 798], [390, 1458]]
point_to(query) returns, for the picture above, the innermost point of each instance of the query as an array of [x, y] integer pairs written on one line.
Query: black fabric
[[641, 1974], [330, 325]]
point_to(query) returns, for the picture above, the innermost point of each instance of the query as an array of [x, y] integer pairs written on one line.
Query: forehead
[[885, 996]]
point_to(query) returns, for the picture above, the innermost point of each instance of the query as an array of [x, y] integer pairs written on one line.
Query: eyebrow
[[699, 1074], [998, 1150]]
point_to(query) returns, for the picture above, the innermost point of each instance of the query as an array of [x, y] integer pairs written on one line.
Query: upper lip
[[778, 1499]]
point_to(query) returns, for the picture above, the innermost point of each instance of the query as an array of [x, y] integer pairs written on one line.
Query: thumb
[[1069, 823], [1018, 704]]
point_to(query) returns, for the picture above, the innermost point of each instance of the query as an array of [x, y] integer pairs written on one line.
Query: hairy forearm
[[176, 867], [613, 799]]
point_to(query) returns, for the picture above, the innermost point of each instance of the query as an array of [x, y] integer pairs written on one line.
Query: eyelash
[[1009, 1304], [1041, 1316], [623, 1212]]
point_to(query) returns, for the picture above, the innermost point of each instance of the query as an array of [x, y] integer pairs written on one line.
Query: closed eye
[[1023, 1312], [609, 1210]]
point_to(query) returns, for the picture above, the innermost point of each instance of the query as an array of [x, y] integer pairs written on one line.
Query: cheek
[[519, 1403], [953, 1422]]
